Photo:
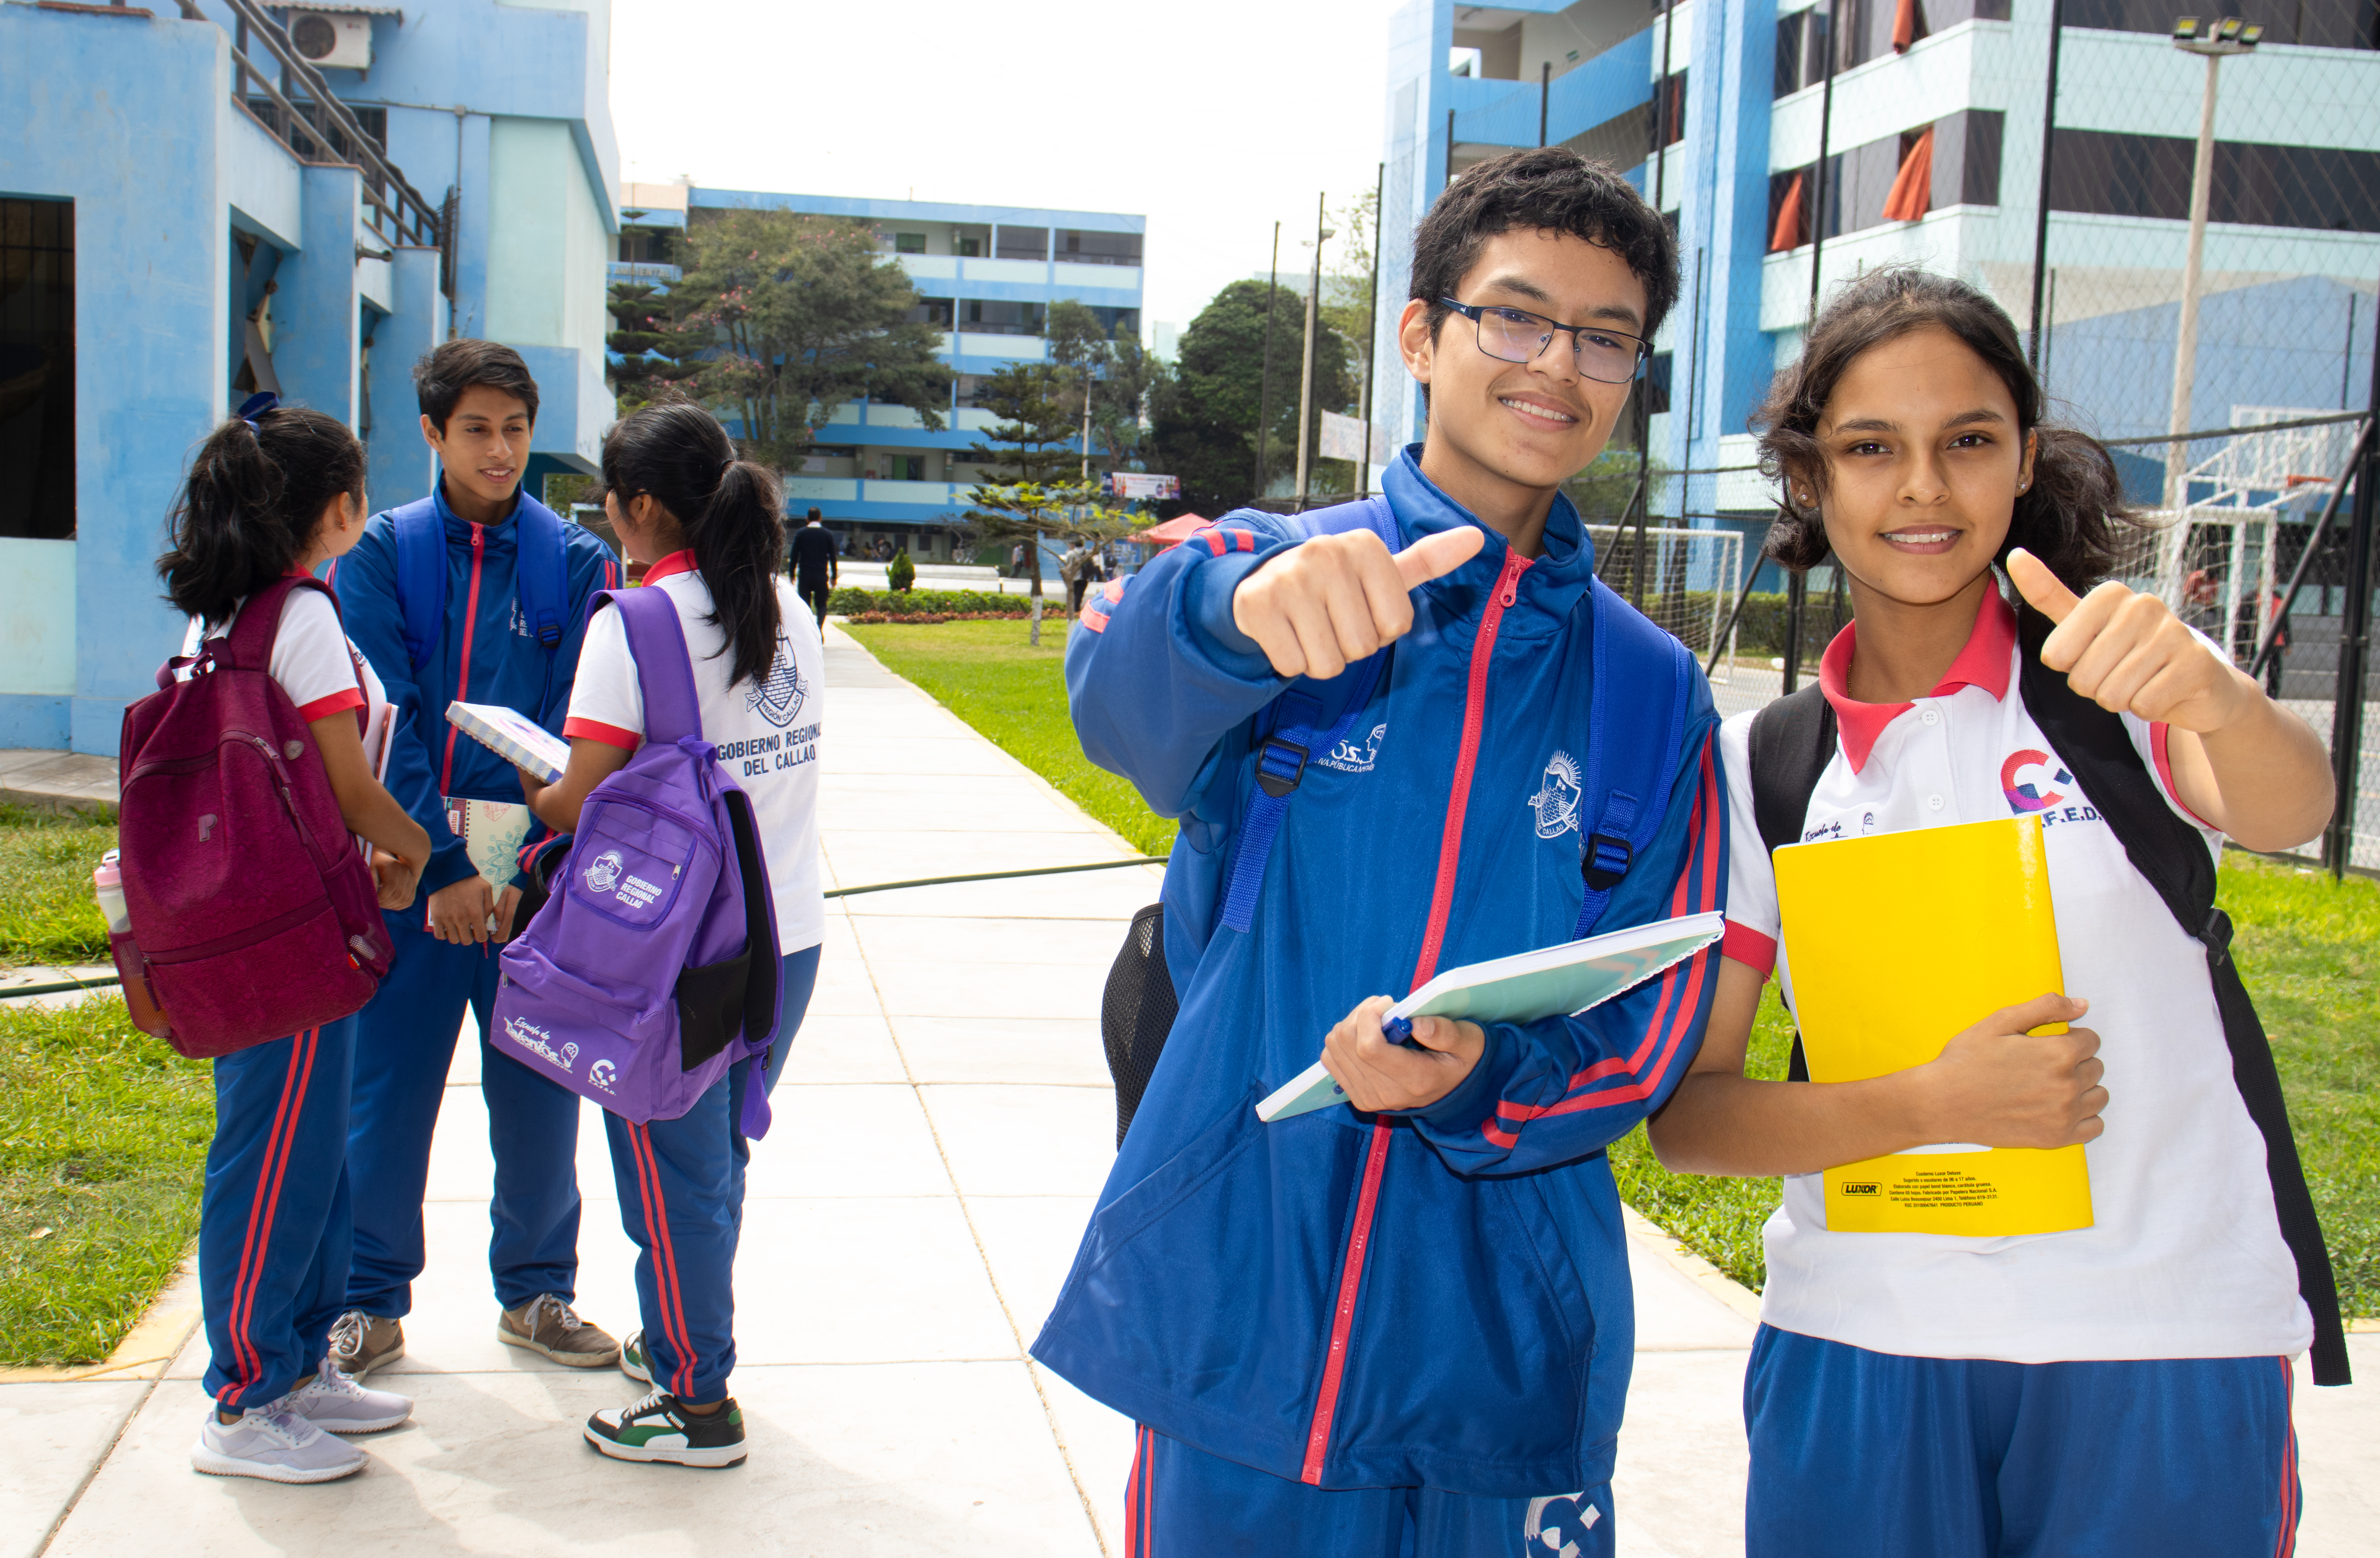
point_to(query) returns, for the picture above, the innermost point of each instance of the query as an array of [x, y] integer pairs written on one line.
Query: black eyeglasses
[[1607, 356]]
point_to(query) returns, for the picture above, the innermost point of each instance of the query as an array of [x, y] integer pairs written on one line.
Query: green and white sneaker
[[633, 1361], [660, 1428]]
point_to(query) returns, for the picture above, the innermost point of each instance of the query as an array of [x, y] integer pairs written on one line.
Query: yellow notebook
[[1897, 943]]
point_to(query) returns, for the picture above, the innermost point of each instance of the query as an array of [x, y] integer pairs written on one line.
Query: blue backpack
[[540, 575], [1642, 680]]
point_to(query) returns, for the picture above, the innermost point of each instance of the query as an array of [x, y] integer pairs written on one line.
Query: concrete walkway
[[945, 1123]]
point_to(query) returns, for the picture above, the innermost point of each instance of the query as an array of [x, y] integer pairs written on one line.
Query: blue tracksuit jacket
[[486, 654], [1438, 1299]]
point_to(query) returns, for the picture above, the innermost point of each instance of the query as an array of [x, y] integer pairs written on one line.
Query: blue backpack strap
[[1641, 683], [672, 712], [1295, 734], [540, 569], [420, 577]]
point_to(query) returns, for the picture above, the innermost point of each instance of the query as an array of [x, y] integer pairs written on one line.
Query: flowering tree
[[780, 320]]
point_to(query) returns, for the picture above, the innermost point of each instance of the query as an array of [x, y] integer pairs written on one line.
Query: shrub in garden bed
[[909, 605]]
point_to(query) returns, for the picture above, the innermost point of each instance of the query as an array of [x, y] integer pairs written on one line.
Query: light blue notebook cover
[[1551, 981]]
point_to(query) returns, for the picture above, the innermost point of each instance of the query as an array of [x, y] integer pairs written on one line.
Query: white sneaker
[[333, 1402], [267, 1442]]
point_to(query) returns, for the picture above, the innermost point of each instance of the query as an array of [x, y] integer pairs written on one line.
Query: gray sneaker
[[333, 1402], [549, 1325], [361, 1343], [270, 1442], [633, 1361]]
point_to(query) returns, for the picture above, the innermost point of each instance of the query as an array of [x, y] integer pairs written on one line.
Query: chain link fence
[[2258, 560]]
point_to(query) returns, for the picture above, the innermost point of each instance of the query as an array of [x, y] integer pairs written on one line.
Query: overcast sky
[[1213, 118]]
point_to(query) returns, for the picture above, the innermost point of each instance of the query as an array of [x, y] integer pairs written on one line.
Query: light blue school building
[[986, 276], [206, 197], [2292, 253]]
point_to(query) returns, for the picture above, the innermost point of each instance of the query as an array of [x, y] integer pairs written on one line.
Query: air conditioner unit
[[331, 39]]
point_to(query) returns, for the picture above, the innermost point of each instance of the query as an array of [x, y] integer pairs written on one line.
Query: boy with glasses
[[1401, 1326]]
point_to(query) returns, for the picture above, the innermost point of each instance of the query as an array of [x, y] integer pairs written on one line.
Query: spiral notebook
[[512, 737]]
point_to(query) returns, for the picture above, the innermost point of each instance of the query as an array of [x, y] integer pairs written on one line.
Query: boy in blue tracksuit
[[1403, 1326], [478, 404]]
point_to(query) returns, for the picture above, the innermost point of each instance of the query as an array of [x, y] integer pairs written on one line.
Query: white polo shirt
[[2185, 1258], [320, 671], [767, 733]]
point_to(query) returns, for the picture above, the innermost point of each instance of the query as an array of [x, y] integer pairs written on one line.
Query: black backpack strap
[[1792, 741], [2092, 744]]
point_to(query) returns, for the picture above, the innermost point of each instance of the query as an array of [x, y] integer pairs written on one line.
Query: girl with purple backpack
[[273, 494], [708, 526]]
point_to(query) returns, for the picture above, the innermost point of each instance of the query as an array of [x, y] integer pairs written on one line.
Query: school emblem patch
[[1553, 1523], [1356, 754], [1556, 802], [604, 870], [779, 695]]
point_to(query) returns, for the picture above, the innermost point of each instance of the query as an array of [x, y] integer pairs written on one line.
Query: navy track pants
[[274, 1222], [682, 1200], [1866, 1455], [1181, 1501], [404, 1044]]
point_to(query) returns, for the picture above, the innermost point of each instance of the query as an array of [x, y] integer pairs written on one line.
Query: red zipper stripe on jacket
[[463, 676], [1466, 757], [1359, 1239]]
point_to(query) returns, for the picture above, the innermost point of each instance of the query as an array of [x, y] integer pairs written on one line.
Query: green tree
[[642, 311], [783, 319], [1034, 439], [1204, 414], [1347, 287], [1035, 511]]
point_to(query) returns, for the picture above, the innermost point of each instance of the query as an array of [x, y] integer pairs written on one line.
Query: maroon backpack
[[253, 909]]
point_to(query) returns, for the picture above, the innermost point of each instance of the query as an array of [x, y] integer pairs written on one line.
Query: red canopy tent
[[1173, 532]]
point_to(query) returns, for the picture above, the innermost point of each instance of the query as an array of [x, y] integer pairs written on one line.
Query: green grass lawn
[[47, 914], [2310, 948], [990, 676], [103, 1150]]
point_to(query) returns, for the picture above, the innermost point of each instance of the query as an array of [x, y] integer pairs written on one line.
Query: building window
[[909, 243], [936, 312], [2107, 173], [2328, 24], [1099, 248], [904, 467], [990, 317], [1656, 384], [970, 248], [37, 370], [1023, 243]]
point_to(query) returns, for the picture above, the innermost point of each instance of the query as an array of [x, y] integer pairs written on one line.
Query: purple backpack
[[253, 907], [653, 967]]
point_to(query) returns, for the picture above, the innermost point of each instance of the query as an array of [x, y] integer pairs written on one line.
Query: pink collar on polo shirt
[[1983, 662], [676, 563]]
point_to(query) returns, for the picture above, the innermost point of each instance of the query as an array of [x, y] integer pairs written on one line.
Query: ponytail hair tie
[[256, 406]]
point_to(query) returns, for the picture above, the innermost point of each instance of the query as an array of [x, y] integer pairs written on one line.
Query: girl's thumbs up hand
[[2129, 655]]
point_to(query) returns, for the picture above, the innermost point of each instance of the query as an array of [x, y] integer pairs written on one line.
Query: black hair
[[678, 453], [816, 514], [440, 379], [250, 504], [1544, 189], [2069, 516]]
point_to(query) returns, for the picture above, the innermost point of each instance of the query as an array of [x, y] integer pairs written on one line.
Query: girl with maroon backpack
[[708, 526], [272, 494]]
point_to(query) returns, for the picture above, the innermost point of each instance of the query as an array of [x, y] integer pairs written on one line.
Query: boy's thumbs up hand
[[1323, 604], [2129, 655]]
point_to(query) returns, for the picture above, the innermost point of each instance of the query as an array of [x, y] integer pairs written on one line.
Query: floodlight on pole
[[2214, 40]]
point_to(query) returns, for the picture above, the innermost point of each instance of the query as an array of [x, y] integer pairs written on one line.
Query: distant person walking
[[1016, 561], [1074, 567], [816, 565]]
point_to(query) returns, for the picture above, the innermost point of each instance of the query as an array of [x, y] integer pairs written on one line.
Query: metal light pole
[[1306, 372], [1264, 393], [2041, 212], [2213, 39], [1797, 586], [1372, 338], [1660, 161]]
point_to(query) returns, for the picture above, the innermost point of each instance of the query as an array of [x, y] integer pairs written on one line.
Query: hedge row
[[1759, 630], [905, 603]]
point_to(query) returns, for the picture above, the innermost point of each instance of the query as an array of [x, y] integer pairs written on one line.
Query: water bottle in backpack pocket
[[653, 967]]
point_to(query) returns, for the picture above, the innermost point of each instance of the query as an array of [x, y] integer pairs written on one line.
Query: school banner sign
[[1130, 485], [1343, 439]]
